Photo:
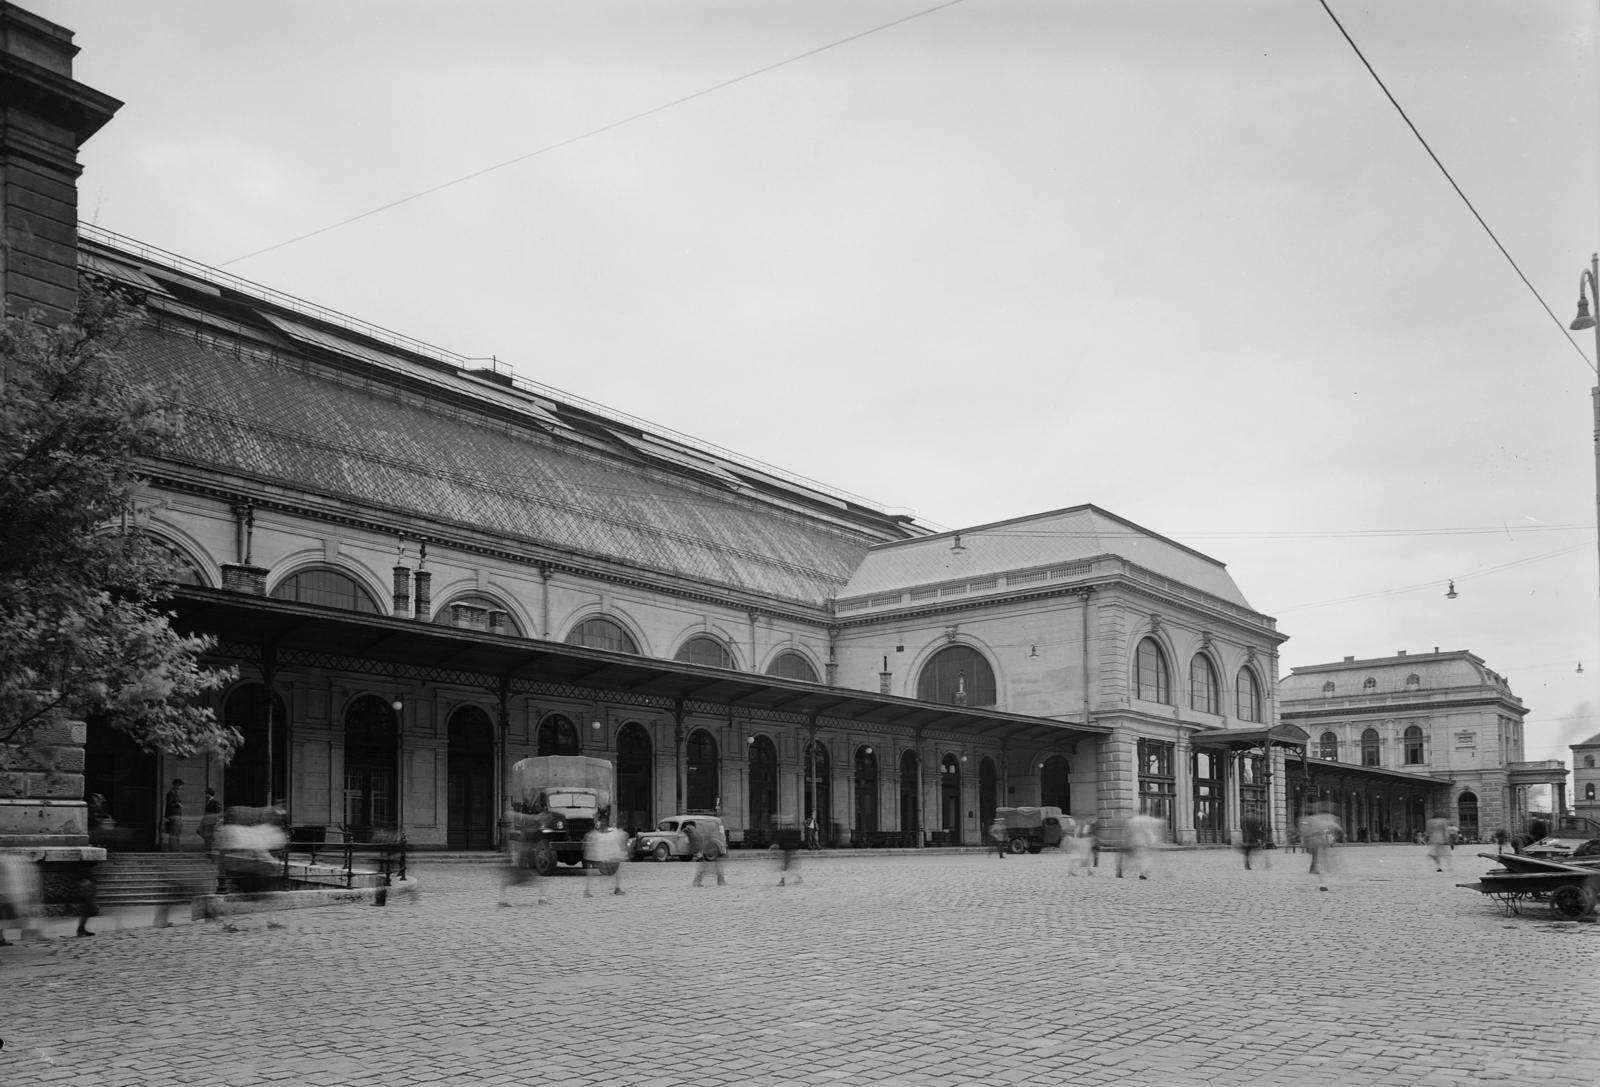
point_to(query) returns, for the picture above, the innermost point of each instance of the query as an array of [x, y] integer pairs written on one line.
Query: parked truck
[[1028, 830], [556, 800]]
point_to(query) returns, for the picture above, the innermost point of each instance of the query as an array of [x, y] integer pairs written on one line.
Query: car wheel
[[1571, 901], [662, 851], [542, 858], [1017, 846]]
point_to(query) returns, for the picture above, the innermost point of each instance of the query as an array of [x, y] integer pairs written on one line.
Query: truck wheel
[[542, 858], [1035, 848], [662, 851], [1017, 846]]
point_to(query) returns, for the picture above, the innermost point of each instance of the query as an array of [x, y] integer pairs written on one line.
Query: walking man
[[1438, 831], [997, 835], [707, 853], [604, 850], [1318, 832], [1139, 836]]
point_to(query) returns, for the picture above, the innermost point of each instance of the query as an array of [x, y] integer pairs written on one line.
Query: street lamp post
[[1589, 286]]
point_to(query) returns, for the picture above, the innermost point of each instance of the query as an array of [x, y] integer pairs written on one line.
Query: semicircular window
[[792, 666], [705, 650], [557, 736], [957, 675], [602, 633], [326, 588]]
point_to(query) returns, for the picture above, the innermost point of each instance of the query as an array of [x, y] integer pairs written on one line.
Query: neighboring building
[[1586, 778], [1395, 740], [426, 569]]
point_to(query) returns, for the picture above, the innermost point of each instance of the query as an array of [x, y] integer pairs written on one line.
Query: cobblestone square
[[914, 969]]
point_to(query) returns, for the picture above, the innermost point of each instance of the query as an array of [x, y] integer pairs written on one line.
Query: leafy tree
[[81, 626]]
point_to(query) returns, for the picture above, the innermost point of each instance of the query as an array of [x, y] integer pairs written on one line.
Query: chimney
[[45, 115]]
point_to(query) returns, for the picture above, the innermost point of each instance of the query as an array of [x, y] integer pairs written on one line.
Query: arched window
[[1413, 681], [1467, 814], [763, 783], [1203, 693], [188, 571], [557, 736], [1327, 689], [634, 764], [474, 612], [1370, 684], [866, 789], [327, 588], [792, 666], [1055, 783], [1153, 682], [1369, 747], [702, 649], [1249, 696], [1328, 746], [371, 760], [957, 675], [602, 633], [1413, 745], [705, 791], [1588, 792]]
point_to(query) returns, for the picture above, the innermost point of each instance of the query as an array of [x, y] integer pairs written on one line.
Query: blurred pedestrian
[[1139, 836], [813, 839], [19, 895], [1318, 832], [173, 812], [1499, 840], [210, 817], [519, 873], [604, 850], [786, 840], [1438, 831], [1081, 847], [1252, 836], [84, 892], [706, 851], [997, 836]]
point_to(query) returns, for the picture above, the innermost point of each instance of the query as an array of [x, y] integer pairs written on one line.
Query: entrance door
[[370, 767], [1210, 797], [910, 778], [763, 788], [471, 775], [1467, 809], [950, 799], [635, 812], [125, 775], [244, 781], [866, 790]]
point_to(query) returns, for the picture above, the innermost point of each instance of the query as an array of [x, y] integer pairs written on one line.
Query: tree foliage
[[81, 626]]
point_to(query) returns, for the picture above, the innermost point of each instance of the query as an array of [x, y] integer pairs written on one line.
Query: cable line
[[597, 131], [1453, 185]]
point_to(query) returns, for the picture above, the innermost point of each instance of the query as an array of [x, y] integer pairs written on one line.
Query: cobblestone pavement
[[888, 970]]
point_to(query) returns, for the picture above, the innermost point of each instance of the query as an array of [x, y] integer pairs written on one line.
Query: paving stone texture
[[939, 970]]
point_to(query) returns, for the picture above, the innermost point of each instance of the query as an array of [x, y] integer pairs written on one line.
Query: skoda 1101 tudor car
[[671, 838]]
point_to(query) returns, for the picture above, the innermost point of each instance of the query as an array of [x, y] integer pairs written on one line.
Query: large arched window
[[1370, 744], [328, 588], [635, 762], [371, 764], [705, 793], [702, 649], [1328, 746], [1153, 678], [557, 736], [1055, 783], [792, 666], [602, 633], [763, 783], [1249, 696], [959, 676], [473, 612], [1203, 693], [1413, 745], [866, 789]]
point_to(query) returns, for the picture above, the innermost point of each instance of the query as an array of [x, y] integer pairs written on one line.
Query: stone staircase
[[153, 879]]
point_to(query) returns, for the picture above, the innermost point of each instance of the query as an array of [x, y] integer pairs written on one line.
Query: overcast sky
[[1179, 259]]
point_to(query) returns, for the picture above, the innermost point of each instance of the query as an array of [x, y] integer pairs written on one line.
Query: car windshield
[[668, 824], [570, 800]]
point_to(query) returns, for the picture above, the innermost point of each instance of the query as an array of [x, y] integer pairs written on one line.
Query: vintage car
[[671, 838]]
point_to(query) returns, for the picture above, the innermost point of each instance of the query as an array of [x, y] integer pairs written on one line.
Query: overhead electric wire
[[1504, 252], [597, 131]]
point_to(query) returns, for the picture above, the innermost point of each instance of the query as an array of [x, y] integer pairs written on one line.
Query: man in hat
[[174, 816]]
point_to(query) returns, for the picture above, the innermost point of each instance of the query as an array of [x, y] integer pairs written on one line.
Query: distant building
[[1394, 740], [1586, 778]]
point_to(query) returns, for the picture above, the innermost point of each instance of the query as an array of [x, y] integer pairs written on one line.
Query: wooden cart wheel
[[1571, 901]]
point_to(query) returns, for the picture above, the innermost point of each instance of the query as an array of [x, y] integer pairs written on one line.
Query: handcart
[[1570, 890]]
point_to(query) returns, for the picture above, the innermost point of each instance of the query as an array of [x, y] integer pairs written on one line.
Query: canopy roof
[[250, 628], [1239, 739]]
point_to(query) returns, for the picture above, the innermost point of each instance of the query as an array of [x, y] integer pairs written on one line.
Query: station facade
[[425, 569]]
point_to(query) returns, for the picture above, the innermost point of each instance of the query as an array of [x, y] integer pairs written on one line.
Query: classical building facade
[[1586, 778], [1396, 740], [425, 569]]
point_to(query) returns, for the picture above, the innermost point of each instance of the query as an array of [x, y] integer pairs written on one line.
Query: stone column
[[1183, 831], [1116, 764]]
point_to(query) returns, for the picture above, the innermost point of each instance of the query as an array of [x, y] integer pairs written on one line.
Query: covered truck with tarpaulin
[[1028, 830], [555, 801]]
